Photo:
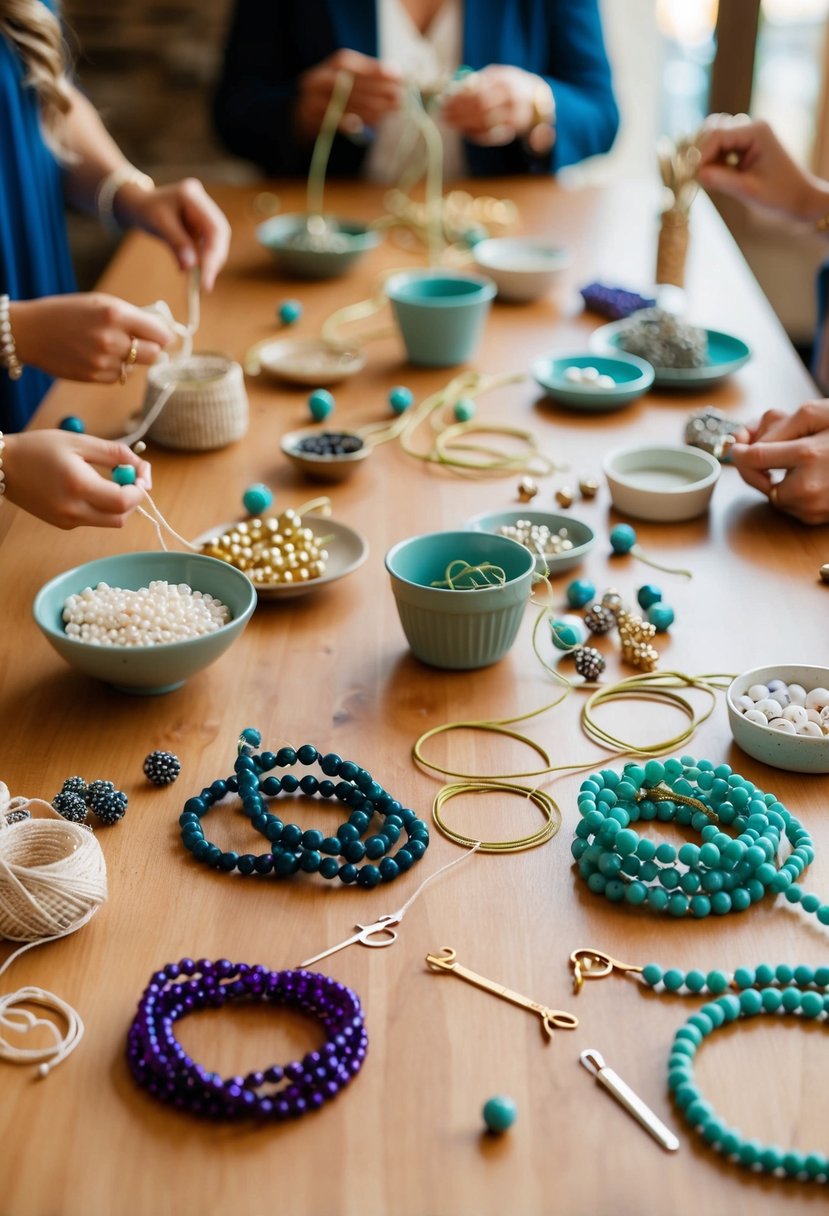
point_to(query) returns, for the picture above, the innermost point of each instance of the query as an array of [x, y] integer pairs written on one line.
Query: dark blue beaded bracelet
[[293, 848]]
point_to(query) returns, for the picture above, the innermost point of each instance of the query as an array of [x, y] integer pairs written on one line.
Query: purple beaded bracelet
[[160, 1064]]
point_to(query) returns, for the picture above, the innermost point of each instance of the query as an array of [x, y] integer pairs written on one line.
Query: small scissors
[[365, 936]]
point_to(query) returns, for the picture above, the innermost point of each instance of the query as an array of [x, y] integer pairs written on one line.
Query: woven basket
[[209, 407]]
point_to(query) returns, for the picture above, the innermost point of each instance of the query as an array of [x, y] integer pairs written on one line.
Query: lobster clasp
[[590, 964]]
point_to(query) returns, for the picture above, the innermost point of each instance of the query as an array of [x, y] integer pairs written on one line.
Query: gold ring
[[132, 355], [773, 495]]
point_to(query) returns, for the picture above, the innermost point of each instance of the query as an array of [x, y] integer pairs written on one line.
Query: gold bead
[[588, 487], [824, 572], [242, 528], [565, 496], [527, 489]]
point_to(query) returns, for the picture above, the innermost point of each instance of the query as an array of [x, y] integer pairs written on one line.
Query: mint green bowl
[[459, 630], [282, 235], [440, 314], [146, 669]]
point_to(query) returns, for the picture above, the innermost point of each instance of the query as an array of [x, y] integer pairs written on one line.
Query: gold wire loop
[[589, 964], [545, 803]]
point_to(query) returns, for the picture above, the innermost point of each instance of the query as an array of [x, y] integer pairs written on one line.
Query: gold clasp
[[590, 964]]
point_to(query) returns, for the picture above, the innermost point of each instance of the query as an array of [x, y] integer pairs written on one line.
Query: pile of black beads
[[76, 799], [329, 443]]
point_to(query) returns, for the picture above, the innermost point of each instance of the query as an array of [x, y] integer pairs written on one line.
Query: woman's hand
[[493, 106], [798, 443], [747, 160], [185, 216], [377, 89], [53, 474], [85, 336]]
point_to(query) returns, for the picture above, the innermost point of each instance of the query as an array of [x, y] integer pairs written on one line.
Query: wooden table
[[334, 669]]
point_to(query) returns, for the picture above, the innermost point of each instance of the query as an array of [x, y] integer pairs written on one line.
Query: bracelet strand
[[109, 186], [8, 350]]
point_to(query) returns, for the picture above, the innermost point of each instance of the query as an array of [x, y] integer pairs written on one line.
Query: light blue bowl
[[459, 630], [440, 314], [279, 235], [632, 377], [581, 535], [146, 669]]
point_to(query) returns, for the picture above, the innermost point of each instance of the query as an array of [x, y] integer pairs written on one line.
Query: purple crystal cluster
[[616, 303], [160, 1064]]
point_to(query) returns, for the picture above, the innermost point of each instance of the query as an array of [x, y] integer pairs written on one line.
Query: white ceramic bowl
[[323, 467], [795, 753], [522, 267], [581, 535], [664, 483]]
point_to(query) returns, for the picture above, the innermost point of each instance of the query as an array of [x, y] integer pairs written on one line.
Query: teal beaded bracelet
[[293, 848], [728, 872]]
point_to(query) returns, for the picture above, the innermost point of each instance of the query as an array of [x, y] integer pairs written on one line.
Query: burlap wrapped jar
[[208, 407]]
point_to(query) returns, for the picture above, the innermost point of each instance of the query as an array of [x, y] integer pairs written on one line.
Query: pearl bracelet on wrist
[[109, 186], [8, 350], [2, 471]]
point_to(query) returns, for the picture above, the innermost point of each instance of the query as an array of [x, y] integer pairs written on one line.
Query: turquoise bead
[[790, 999], [695, 981], [811, 1004], [661, 617], [771, 1158], [714, 1011], [678, 904], [793, 1163], [809, 903], [673, 980], [647, 595], [658, 899], [730, 1006], [652, 974], [320, 404], [566, 635], [700, 906], [499, 1114], [464, 409], [579, 593], [749, 1152], [784, 973], [622, 539], [717, 981], [815, 1164], [627, 842], [804, 976], [72, 423], [750, 1002], [772, 999], [124, 475], [400, 398], [744, 978], [289, 312], [256, 499], [703, 1023], [636, 893], [730, 1142]]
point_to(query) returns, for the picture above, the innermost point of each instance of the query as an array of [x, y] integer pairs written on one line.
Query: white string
[[457, 861], [160, 522]]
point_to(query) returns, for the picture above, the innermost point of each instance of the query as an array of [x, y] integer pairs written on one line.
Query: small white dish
[[312, 362], [347, 550], [794, 753], [319, 466], [522, 267], [664, 483], [581, 535]]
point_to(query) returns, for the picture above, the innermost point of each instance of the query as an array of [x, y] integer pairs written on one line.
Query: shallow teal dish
[[440, 314], [459, 630], [279, 233], [633, 377], [726, 353], [582, 536], [146, 669]]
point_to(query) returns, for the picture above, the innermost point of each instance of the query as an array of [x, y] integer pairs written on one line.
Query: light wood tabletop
[[333, 669]]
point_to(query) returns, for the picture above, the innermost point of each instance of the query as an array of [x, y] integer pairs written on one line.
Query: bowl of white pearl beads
[[559, 542], [780, 715], [145, 622], [593, 383]]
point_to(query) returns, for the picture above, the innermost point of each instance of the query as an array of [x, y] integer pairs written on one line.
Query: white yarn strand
[[52, 881]]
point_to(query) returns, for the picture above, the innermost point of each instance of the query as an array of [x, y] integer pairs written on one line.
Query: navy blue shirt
[[34, 249]]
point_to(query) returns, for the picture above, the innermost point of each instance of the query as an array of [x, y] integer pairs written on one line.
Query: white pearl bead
[[796, 714], [758, 692], [783, 725], [769, 707], [813, 716], [775, 684], [589, 375], [817, 699], [573, 374], [605, 382], [754, 715], [798, 694], [811, 729], [744, 703]]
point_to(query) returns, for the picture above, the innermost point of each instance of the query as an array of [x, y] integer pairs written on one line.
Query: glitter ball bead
[[256, 499], [622, 538], [74, 785], [321, 404], [16, 817], [70, 806], [647, 595], [162, 768], [589, 662], [580, 592], [72, 423], [464, 410], [106, 802], [661, 617], [123, 475], [599, 619], [499, 1114], [289, 312], [400, 398]]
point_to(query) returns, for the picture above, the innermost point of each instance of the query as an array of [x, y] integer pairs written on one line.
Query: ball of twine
[[208, 405]]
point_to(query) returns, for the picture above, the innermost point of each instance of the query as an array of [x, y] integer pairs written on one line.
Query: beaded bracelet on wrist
[[293, 848], [160, 1064], [731, 870]]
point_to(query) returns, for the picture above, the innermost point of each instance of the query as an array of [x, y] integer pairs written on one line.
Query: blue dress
[[34, 249], [272, 42]]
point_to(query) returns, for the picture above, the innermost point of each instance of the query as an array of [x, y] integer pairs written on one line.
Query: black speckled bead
[[162, 768]]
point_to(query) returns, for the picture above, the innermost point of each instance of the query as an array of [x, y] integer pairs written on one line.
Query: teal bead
[[400, 398], [635, 774], [329, 867], [709, 855], [811, 1004], [579, 593], [790, 999], [684, 1095], [712, 1131], [684, 1047], [673, 980], [666, 853], [730, 1142], [695, 981], [658, 899], [809, 903], [689, 1033], [622, 539], [784, 974], [678, 904], [703, 1023], [631, 866], [289, 312], [749, 1152], [645, 849], [823, 914], [771, 1158], [744, 978], [815, 1164], [124, 475], [750, 1002], [627, 842], [804, 976], [648, 595], [764, 975], [689, 883], [72, 423], [654, 773], [464, 409], [320, 404], [689, 854], [715, 1012], [499, 1114], [256, 499], [597, 883], [739, 900], [661, 617], [700, 906], [822, 977], [636, 893], [717, 981], [772, 999], [699, 1112], [793, 1163], [566, 635], [615, 890], [730, 1006], [652, 974]]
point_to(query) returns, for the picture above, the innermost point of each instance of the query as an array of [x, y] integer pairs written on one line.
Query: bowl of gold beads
[[144, 622], [325, 455], [315, 246], [288, 554], [558, 542]]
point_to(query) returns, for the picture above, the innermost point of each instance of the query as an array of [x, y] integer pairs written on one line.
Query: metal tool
[[624, 1095], [590, 964], [365, 936], [551, 1018]]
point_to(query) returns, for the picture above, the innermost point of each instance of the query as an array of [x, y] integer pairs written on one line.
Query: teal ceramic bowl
[[146, 669], [440, 314], [726, 354], [451, 629], [301, 256], [581, 536], [631, 378]]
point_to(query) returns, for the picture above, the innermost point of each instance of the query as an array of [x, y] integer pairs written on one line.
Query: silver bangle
[[111, 184], [2, 473], [8, 350]]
